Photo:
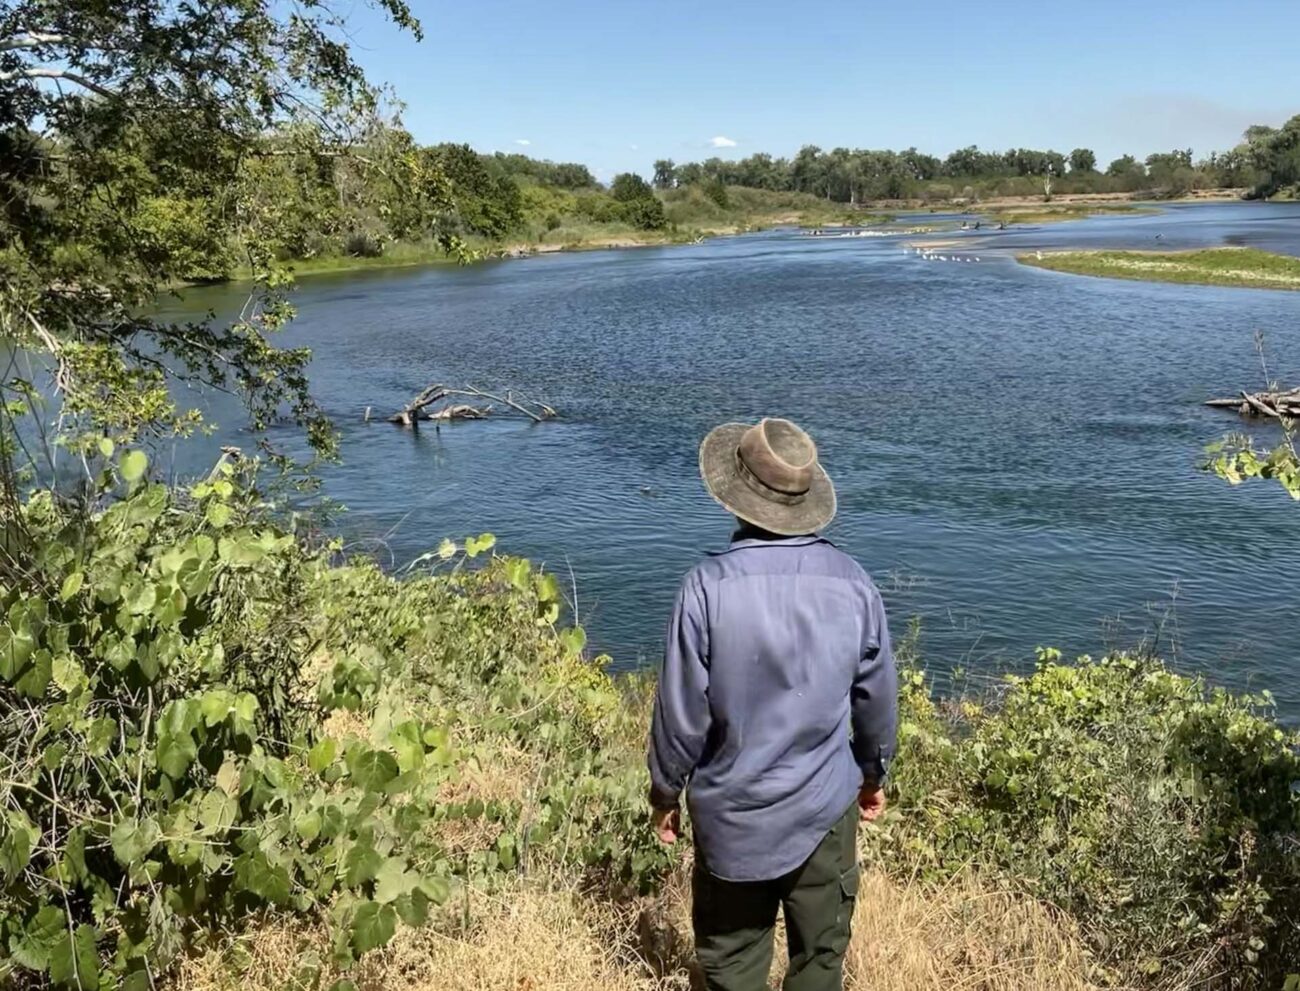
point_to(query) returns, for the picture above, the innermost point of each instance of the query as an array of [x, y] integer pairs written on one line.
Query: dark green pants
[[734, 919]]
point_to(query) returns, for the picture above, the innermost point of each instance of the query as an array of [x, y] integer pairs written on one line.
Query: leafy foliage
[[1158, 813], [1275, 154], [488, 204], [141, 166], [201, 719], [1236, 459], [158, 768]]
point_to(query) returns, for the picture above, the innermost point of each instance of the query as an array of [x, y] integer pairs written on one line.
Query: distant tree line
[[1266, 162], [303, 193]]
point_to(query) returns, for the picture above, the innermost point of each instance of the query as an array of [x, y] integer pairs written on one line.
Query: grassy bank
[[1046, 213], [317, 771], [558, 221], [1244, 267]]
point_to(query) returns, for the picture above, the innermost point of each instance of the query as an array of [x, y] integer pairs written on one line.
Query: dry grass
[[966, 935], [523, 939]]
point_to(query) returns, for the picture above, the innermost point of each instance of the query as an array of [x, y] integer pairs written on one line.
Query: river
[[1016, 451]]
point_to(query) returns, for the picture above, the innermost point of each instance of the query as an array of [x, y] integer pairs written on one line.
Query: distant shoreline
[[1012, 209]]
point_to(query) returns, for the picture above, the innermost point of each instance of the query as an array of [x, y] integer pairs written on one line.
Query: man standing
[[776, 713]]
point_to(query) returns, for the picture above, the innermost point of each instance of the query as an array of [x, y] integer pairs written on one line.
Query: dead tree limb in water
[[422, 407], [1278, 405]]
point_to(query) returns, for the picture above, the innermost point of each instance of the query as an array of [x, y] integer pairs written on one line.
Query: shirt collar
[[740, 541]]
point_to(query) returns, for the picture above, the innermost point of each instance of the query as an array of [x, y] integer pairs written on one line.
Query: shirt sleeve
[[874, 697], [681, 720]]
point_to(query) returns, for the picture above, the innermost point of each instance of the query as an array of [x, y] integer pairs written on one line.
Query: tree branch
[[30, 39], [72, 77]]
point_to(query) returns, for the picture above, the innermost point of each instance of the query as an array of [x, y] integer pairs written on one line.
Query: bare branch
[[30, 39], [72, 77]]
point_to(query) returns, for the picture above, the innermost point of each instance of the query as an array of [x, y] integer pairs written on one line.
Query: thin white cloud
[[721, 141], [523, 141], [634, 147]]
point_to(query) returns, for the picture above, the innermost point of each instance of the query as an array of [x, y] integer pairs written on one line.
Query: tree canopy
[[135, 137]]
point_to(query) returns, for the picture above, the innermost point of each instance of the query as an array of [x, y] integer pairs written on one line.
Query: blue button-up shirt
[[777, 699]]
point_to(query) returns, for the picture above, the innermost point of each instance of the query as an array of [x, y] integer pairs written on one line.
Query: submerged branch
[[419, 408], [1277, 405]]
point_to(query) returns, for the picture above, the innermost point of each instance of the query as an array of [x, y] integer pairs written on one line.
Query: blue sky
[[619, 83]]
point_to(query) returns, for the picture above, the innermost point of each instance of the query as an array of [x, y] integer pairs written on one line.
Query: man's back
[[771, 642]]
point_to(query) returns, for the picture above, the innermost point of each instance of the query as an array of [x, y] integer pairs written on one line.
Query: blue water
[[1016, 451]]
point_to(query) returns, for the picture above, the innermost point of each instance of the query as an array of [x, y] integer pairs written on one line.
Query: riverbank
[[1240, 267], [428, 781], [694, 218]]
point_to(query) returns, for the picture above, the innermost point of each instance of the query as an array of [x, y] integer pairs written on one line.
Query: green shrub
[[160, 772], [645, 214], [1160, 814], [717, 192], [172, 672]]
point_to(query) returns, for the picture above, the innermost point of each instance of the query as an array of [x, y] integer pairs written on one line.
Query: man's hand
[[871, 803], [667, 824]]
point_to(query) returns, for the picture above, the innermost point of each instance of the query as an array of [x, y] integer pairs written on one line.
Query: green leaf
[[474, 546], [372, 769], [393, 880], [574, 639], [133, 465], [413, 908], [106, 447], [218, 514], [132, 839], [216, 705], [71, 586], [120, 652], [361, 864], [175, 753], [74, 960], [228, 778], [240, 551], [373, 926], [322, 755], [256, 873], [405, 740], [446, 550], [68, 675], [437, 889], [548, 589], [517, 572], [40, 937], [142, 598], [35, 678], [137, 980], [217, 811], [308, 826], [16, 843], [16, 648]]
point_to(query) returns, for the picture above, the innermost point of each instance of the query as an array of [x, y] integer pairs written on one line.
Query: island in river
[[1228, 266]]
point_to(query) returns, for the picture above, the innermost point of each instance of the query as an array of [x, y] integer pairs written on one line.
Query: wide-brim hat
[[767, 474]]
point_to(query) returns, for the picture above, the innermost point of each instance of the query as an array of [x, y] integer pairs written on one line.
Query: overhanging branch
[[72, 77], [30, 39]]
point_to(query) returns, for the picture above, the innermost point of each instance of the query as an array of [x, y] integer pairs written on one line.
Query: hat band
[[762, 488]]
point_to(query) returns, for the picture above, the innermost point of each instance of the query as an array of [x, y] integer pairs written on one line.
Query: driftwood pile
[[1278, 405], [438, 402]]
